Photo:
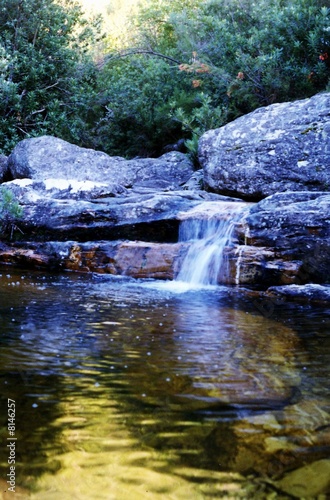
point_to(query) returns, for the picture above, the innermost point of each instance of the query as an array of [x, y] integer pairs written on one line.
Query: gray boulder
[[3, 168], [52, 158], [282, 147]]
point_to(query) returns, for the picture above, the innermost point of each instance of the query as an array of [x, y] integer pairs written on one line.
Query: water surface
[[130, 389]]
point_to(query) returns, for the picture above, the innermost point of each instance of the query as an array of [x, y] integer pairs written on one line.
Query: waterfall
[[208, 230]]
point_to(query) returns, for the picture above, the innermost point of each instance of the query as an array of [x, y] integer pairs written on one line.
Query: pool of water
[[141, 389]]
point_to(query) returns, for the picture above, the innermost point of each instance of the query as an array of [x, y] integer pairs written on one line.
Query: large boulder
[[48, 157], [312, 293], [282, 147]]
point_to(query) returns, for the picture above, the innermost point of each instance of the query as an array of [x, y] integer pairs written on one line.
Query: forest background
[[146, 74]]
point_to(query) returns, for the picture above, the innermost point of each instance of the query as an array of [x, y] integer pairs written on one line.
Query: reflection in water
[[126, 390]]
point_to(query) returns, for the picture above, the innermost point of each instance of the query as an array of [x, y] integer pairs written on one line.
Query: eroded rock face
[[282, 147], [296, 226], [136, 259], [48, 157]]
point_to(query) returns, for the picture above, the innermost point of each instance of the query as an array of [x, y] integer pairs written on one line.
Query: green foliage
[[232, 57], [135, 106], [260, 53], [10, 212], [46, 80], [197, 120]]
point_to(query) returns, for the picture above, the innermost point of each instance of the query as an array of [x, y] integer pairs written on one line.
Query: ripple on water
[[130, 389]]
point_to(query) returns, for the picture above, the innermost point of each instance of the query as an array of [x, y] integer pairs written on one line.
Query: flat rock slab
[[84, 210], [310, 481]]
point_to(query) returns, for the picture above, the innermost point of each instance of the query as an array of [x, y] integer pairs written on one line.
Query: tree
[[46, 76], [142, 86], [179, 68]]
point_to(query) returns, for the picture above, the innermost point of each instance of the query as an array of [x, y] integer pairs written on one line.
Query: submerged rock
[[281, 147], [312, 293], [308, 481]]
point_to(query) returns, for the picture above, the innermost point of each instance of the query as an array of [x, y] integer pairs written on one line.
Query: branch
[[23, 131], [51, 86], [133, 52], [36, 112]]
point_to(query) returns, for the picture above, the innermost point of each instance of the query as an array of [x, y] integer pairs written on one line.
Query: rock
[[48, 157], [296, 227], [195, 182], [3, 168], [276, 442], [308, 481], [136, 259], [124, 258], [24, 257], [90, 211], [282, 240], [281, 147], [177, 146], [261, 265], [29, 191], [314, 294]]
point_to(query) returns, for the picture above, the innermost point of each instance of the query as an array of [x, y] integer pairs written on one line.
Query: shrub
[[10, 212], [232, 57]]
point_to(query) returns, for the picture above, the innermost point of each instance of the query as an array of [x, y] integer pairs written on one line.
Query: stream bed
[[128, 389]]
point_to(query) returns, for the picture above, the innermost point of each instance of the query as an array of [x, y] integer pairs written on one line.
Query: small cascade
[[208, 229], [238, 252]]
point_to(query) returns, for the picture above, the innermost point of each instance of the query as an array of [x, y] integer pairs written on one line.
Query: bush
[[10, 212], [184, 67], [136, 106]]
